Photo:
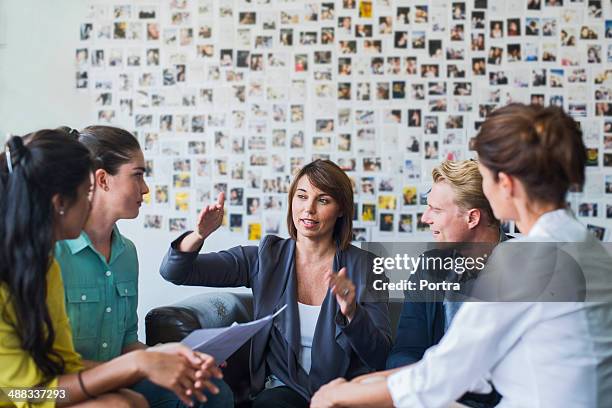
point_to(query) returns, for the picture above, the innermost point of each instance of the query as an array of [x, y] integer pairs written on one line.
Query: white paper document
[[222, 342]]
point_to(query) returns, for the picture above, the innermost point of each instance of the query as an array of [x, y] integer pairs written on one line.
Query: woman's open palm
[[211, 217]]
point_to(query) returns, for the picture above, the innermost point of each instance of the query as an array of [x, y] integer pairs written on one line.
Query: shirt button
[[108, 273], [125, 290], [108, 310], [83, 297], [104, 345]]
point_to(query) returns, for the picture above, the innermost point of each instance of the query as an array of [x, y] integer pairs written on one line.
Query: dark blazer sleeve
[[369, 333], [412, 335], [230, 268]]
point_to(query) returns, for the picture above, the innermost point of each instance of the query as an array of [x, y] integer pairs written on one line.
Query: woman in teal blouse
[[100, 267]]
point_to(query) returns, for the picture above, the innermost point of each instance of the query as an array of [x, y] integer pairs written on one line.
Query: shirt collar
[[549, 222], [83, 241], [78, 244]]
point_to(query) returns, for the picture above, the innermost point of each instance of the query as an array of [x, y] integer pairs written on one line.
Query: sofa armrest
[[208, 310]]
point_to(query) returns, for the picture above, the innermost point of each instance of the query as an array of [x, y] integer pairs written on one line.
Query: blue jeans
[[160, 397]]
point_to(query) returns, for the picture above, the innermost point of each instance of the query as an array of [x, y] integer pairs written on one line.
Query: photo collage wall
[[235, 96]]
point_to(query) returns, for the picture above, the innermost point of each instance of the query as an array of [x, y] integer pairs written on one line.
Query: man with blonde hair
[[457, 211]]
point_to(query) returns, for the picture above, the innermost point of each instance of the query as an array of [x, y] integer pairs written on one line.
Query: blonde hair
[[466, 181]]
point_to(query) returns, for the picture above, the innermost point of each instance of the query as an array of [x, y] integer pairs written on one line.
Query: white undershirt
[[308, 322]]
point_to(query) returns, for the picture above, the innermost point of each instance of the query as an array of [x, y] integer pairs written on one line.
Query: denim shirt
[[101, 296]]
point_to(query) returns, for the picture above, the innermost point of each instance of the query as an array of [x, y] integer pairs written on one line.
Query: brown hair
[[466, 181], [329, 178], [542, 147], [110, 146]]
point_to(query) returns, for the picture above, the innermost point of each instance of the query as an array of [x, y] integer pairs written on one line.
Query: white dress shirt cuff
[[402, 387]]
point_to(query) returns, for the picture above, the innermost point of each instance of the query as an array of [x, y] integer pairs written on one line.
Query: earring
[[106, 188], [61, 212]]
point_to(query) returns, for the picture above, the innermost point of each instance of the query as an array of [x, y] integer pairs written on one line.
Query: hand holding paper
[[222, 342]]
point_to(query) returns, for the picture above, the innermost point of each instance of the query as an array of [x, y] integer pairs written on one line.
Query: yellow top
[[18, 369]]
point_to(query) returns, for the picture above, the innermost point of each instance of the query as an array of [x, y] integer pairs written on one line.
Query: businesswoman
[[45, 189], [100, 267], [327, 330], [538, 354]]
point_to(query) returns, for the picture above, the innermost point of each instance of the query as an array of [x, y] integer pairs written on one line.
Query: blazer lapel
[[287, 322]]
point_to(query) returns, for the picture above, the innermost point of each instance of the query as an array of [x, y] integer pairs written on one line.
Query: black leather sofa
[[216, 309]]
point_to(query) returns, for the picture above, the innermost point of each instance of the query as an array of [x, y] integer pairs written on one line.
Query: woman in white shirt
[[537, 354]]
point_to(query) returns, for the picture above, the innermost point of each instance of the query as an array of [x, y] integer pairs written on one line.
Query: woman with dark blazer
[[328, 330]]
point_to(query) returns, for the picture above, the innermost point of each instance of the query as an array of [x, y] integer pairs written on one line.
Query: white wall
[[37, 66]]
